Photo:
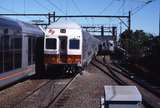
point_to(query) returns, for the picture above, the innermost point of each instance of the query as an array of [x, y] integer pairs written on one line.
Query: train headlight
[[54, 59], [79, 64], [77, 60], [69, 60]]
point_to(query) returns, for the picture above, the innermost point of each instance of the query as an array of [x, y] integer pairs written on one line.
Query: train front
[[63, 44]]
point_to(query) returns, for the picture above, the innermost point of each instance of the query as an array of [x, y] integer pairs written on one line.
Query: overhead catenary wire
[[122, 7], [78, 9], [140, 7], [24, 6], [41, 5], [107, 6], [137, 9], [7, 10], [66, 7], [54, 5], [76, 6]]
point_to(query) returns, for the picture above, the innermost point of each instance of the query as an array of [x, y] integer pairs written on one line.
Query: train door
[[63, 49], [39, 56]]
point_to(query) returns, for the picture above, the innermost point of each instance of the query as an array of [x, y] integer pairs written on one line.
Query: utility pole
[[114, 33], [49, 18], [102, 31], [120, 28], [54, 14], [159, 22], [129, 21]]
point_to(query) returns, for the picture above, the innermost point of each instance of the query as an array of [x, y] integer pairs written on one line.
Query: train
[[106, 47], [111, 46], [25, 48], [20, 45], [66, 44]]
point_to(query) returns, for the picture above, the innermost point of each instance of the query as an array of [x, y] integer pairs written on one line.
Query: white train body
[[66, 43], [111, 46]]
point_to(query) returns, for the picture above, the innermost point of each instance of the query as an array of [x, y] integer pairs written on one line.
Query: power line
[[105, 8], [66, 7], [54, 5], [77, 7], [41, 5], [24, 6], [159, 22], [6, 9], [137, 9], [122, 6]]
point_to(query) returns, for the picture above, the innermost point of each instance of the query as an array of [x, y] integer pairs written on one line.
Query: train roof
[[20, 25], [7, 22], [29, 28], [64, 25]]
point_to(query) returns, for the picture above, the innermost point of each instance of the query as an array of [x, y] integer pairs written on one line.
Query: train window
[[74, 44], [6, 53], [5, 40], [51, 43], [8, 59], [0, 43], [17, 59], [111, 44], [31, 50], [1, 56], [16, 45], [62, 30]]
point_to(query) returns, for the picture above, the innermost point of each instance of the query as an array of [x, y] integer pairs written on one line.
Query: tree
[[134, 42]]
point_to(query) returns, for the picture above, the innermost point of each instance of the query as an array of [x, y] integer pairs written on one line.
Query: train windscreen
[[51, 43], [74, 44]]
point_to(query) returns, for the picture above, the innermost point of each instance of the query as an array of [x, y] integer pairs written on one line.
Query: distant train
[[18, 41], [106, 47], [111, 46], [66, 44]]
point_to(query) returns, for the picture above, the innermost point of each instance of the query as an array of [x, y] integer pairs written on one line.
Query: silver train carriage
[[17, 49], [111, 46], [68, 45]]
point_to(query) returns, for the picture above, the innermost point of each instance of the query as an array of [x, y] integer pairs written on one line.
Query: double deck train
[[18, 41], [66, 44]]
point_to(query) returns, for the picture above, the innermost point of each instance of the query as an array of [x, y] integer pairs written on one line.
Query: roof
[[7, 22], [19, 25], [29, 28], [64, 25]]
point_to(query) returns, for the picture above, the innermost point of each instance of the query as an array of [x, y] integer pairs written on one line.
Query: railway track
[[45, 93], [15, 95], [58, 96], [137, 80], [32, 92], [150, 100]]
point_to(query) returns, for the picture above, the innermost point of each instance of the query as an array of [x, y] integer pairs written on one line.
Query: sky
[[144, 16]]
